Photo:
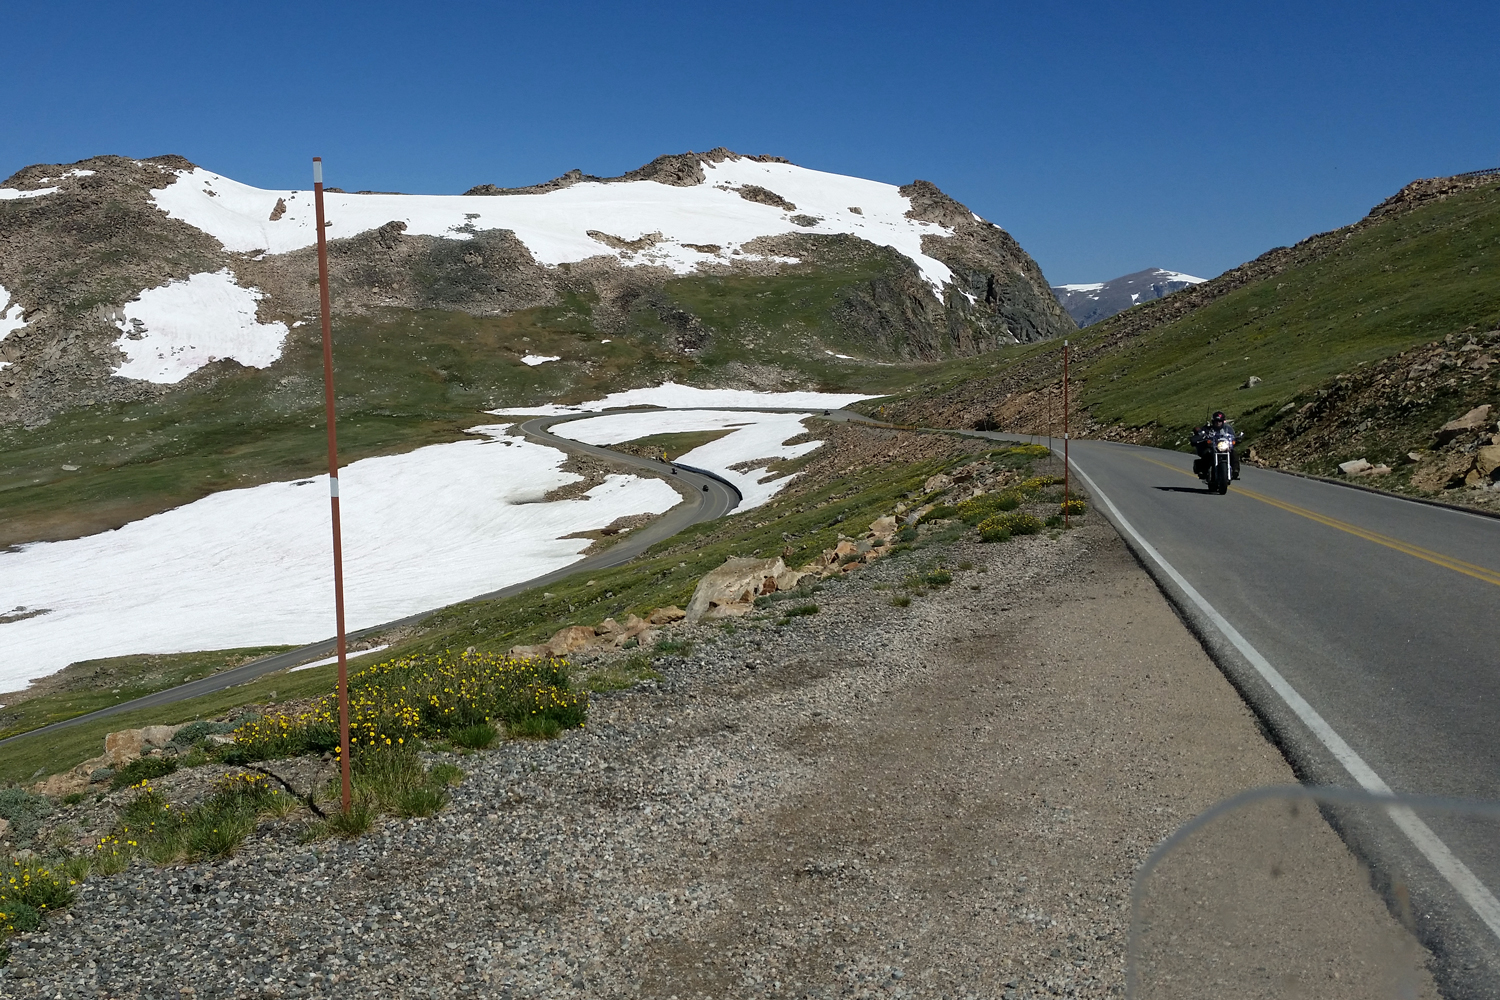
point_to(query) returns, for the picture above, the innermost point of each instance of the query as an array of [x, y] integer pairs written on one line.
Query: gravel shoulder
[[942, 800]]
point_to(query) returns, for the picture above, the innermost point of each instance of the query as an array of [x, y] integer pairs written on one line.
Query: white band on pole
[[333, 486], [317, 171]]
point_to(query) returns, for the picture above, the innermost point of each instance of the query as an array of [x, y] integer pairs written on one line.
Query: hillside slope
[[1360, 342], [160, 339]]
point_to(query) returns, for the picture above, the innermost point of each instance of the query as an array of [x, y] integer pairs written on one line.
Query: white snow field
[[555, 225], [170, 332], [254, 566], [670, 394], [11, 318], [755, 436], [539, 359], [1178, 276]]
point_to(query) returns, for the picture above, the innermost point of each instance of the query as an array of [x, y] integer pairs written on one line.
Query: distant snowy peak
[[672, 217], [1094, 301]]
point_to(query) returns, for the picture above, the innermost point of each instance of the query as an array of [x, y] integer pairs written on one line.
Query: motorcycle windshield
[[1309, 892]]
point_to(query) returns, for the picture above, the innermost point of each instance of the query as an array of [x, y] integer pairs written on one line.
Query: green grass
[[622, 674], [675, 445], [142, 769], [31, 757], [89, 685]]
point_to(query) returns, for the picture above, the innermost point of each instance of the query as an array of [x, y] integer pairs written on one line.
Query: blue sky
[[1105, 137]]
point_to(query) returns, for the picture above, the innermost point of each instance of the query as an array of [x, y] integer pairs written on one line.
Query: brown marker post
[[333, 483], [1065, 434]]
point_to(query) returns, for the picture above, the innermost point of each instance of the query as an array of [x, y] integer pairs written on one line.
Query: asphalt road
[[705, 495], [1381, 614]]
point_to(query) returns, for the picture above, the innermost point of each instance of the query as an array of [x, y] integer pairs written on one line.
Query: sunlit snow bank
[[539, 359], [172, 331], [11, 318], [671, 394], [755, 436], [682, 227], [253, 566]]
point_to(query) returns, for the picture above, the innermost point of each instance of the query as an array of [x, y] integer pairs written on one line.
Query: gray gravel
[[943, 800]]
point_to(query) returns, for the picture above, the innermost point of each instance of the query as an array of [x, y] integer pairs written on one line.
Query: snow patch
[[11, 319], [253, 566], [539, 359], [170, 332], [1092, 286], [1178, 276], [754, 436], [555, 225], [670, 394], [11, 194]]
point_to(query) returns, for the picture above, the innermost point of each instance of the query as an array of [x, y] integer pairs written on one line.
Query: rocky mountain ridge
[[1095, 301], [84, 246]]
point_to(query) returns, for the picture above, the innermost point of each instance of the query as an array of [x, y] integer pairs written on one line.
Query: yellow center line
[[1427, 555]]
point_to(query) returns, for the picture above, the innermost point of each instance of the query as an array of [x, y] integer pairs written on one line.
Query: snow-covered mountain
[[119, 275], [1094, 301]]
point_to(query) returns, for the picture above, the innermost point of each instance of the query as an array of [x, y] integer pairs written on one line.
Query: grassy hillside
[[1386, 288], [1309, 322]]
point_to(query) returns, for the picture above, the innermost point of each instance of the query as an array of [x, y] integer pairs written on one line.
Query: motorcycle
[[1217, 467]]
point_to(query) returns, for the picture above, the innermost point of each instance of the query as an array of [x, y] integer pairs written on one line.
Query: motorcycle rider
[[1203, 435]]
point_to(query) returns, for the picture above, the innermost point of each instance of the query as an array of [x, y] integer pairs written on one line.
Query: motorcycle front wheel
[[1220, 482]]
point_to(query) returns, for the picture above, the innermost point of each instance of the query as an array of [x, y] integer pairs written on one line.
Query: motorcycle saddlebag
[[1200, 466]]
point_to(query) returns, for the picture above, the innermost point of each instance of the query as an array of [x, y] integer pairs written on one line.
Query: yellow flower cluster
[[30, 885], [398, 701]]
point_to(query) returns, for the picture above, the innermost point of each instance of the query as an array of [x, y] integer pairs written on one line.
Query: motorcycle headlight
[[1223, 445]]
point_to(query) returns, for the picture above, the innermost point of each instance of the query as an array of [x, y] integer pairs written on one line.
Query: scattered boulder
[[1487, 461], [570, 639], [1251, 382], [128, 744], [1474, 420], [883, 527], [667, 615], [4, 828], [937, 482], [1355, 468], [732, 588]]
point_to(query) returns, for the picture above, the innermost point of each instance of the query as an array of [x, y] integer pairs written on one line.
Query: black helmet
[[1219, 417]]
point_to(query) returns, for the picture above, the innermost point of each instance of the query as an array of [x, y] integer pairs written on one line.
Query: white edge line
[[1457, 874]]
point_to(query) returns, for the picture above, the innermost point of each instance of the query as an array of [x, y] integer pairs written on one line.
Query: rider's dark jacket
[[1203, 435]]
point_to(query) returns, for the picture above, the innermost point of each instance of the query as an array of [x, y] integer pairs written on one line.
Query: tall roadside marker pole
[[1066, 435], [333, 482]]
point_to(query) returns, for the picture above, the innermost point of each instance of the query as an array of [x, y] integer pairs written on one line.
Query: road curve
[[706, 496]]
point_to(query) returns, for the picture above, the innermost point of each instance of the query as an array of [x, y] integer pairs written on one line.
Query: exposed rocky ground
[[942, 799]]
